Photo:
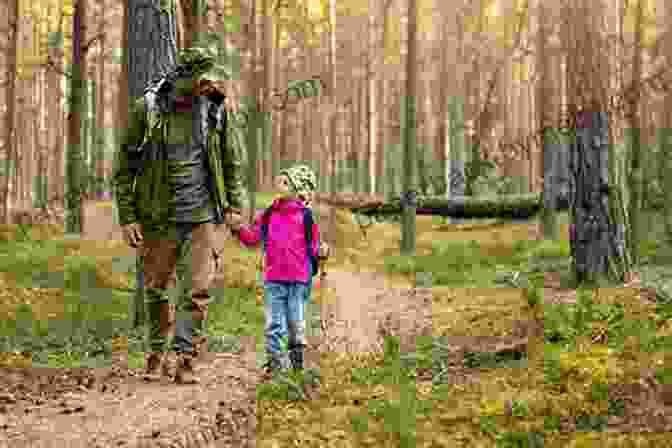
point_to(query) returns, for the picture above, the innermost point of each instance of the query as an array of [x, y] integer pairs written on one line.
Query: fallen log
[[517, 206]]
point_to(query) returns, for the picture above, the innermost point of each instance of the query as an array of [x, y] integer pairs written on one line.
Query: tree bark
[[100, 108], [372, 79], [517, 207], [665, 151], [269, 72], [441, 136], [74, 162], [456, 132], [194, 16], [255, 122], [549, 220], [333, 116], [10, 146], [598, 242], [408, 224], [633, 140], [152, 45]]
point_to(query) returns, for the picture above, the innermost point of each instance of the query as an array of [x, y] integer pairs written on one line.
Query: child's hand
[[324, 250], [234, 221]]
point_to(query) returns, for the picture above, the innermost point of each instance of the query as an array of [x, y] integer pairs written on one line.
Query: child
[[288, 270]]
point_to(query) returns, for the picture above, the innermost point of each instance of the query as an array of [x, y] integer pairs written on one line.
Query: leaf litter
[[485, 374]]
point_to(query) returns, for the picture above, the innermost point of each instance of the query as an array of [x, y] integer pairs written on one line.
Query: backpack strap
[[308, 228], [265, 218], [308, 231]]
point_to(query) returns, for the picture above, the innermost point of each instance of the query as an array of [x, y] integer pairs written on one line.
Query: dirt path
[[366, 309], [114, 407], [90, 408]]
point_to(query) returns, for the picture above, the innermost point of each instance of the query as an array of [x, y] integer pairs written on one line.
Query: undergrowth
[[66, 308], [429, 396]]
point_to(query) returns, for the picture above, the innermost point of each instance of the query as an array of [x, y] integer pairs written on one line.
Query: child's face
[[281, 185]]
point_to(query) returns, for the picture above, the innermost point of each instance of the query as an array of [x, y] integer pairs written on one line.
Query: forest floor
[[480, 340]]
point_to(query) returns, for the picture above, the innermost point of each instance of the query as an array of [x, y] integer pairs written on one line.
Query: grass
[[561, 396], [66, 301], [264, 199], [67, 310]]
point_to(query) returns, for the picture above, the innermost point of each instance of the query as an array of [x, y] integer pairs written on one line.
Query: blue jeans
[[284, 308]]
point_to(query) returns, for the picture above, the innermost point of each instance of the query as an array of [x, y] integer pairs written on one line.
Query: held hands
[[132, 234], [234, 220], [324, 251]]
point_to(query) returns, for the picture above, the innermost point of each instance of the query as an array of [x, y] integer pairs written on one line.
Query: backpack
[[308, 232]]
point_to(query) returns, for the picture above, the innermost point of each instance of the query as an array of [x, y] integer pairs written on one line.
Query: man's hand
[[132, 234]]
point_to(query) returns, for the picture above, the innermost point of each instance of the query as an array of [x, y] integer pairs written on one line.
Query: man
[[177, 173]]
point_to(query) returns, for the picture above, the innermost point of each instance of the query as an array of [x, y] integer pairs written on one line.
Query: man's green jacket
[[141, 190]]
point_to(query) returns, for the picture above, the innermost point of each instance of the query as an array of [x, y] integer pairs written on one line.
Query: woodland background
[[488, 76]]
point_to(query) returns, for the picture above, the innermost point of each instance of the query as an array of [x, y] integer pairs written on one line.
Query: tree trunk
[[255, 122], [665, 163], [269, 72], [101, 144], [39, 181], [56, 187], [384, 182], [633, 141], [372, 79], [441, 137], [74, 163], [333, 116], [598, 242], [456, 131], [194, 16], [549, 219], [152, 45], [150, 37], [420, 149], [10, 146], [408, 224], [509, 207]]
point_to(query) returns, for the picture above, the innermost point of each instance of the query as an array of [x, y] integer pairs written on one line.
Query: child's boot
[[297, 341], [274, 365], [153, 366], [296, 357]]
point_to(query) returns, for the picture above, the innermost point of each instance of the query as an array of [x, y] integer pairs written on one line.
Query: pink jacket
[[286, 258]]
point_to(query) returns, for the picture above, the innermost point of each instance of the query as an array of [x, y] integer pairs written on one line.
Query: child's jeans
[[284, 307]]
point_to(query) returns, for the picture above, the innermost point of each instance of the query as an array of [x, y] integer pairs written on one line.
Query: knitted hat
[[201, 63], [302, 180]]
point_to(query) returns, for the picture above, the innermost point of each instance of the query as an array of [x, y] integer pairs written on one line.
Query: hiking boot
[[185, 370], [153, 366], [200, 348], [169, 365]]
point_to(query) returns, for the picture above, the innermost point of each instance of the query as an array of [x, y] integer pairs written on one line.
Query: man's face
[[203, 88]]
